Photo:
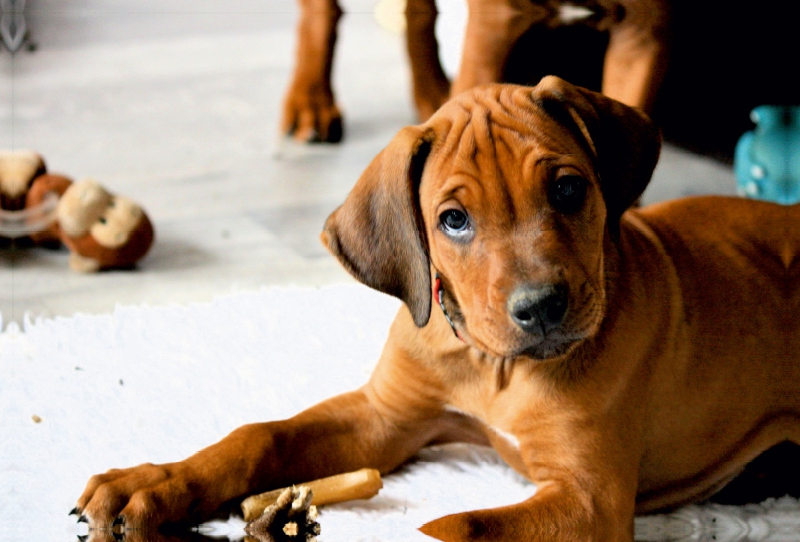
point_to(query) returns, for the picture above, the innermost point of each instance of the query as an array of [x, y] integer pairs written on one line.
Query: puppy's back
[[738, 265]]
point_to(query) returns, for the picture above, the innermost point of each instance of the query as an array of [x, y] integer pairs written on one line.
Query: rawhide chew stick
[[360, 484]]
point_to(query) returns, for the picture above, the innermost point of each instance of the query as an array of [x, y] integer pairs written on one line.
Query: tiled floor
[[175, 104]]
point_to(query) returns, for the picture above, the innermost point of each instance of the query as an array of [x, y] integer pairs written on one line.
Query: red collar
[[438, 291]]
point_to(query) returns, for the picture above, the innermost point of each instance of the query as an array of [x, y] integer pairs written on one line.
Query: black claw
[[83, 519], [119, 520], [74, 512], [118, 536], [335, 131], [83, 537]]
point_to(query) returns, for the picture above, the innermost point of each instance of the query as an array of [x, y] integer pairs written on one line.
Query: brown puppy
[[623, 363], [634, 66]]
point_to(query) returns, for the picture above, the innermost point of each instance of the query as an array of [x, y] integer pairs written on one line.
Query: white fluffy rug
[[83, 394]]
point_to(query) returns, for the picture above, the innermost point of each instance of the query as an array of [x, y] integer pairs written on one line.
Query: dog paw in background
[[310, 113]]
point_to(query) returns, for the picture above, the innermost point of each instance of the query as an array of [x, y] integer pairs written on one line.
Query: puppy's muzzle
[[539, 309]]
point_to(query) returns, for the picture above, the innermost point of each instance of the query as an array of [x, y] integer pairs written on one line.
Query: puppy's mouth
[[551, 346], [580, 325], [507, 343]]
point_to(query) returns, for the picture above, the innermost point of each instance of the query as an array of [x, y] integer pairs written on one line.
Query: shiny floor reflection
[[771, 521], [775, 520]]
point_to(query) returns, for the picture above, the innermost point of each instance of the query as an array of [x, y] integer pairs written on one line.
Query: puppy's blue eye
[[454, 222], [567, 193]]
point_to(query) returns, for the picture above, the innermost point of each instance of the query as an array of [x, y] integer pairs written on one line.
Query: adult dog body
[[623, 363], [633, 68]]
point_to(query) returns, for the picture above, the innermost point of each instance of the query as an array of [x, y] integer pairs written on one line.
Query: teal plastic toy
[[767, 160]]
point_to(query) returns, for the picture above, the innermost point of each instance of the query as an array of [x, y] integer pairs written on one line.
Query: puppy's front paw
[[311, 116], [139, 498]]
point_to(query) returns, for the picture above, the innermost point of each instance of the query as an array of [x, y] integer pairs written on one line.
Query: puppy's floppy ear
[[623, 140], [378, 233]]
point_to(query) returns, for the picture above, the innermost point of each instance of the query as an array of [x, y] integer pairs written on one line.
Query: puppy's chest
[[501, 434], [505, 417]]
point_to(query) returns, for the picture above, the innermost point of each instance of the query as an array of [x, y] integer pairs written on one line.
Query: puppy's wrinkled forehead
[[379, 233], [502, 127]]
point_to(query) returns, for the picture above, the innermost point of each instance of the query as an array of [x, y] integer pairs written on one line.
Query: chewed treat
[[292, 517], [360, 484]]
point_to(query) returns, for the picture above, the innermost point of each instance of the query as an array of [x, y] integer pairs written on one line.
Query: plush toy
[[767, 159], [42, 201], [101, 230], [17, 172]]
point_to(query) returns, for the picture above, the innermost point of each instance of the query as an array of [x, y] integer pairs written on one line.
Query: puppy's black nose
[[538, 309]]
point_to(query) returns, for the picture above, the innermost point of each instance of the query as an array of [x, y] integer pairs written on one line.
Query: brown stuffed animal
[[101, 230], [18, 169], [36, 198]]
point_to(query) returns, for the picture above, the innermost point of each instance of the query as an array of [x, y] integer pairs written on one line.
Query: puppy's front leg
[[378, 426], [558, 512], [585, 491]]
